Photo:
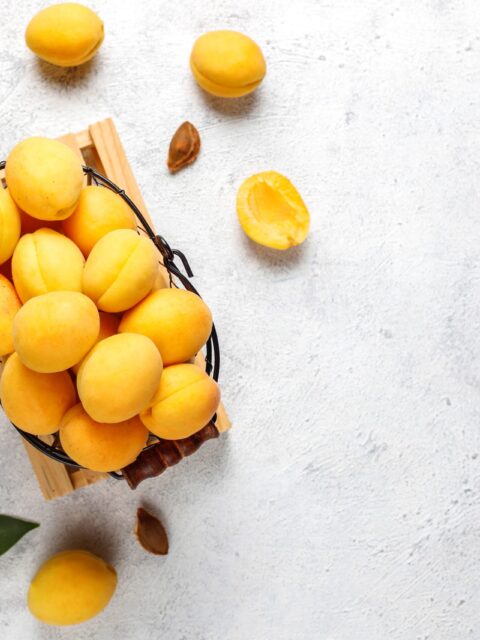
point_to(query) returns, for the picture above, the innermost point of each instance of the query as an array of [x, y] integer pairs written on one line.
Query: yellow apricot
[[46, 261], [9, 305], [119, 377], [98, 211], [101, 446], [66, 34], [53, 331], [120, 270], [71, 587], [108, 327], [9, 225], [44, 178], [35, 402], [271, 211], [185, 401], [228, 64], [177, 321]]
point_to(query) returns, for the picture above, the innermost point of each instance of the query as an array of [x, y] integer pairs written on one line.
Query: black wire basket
[[167, 259]]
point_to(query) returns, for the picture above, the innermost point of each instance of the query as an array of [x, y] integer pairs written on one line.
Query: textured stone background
[[344, 505]]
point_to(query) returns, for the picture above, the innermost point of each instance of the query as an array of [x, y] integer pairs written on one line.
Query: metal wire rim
[[212, 355]]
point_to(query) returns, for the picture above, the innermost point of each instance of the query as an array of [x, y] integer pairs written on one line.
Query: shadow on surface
[[66, 76]]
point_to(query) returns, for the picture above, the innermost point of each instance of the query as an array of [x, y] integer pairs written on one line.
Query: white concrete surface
[[344, 505]]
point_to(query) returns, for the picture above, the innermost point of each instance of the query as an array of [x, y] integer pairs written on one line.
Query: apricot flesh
[[120, 270], [9, 225], [271, 211], [44, 177], [108, 327], [71, 587], [98, 211], [35, 402], [119, 377], [227, 64], [46, 261], [66, 34], [9, 305], [177, 321], [185, 401], [101, 446], [53, 331]]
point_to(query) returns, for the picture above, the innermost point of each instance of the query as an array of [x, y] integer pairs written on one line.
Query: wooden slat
[[53, 478]]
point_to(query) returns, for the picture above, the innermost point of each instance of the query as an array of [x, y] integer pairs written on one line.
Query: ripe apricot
[[9, 305], [9, 225]]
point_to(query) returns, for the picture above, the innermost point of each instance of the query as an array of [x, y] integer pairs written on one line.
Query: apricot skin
[[35, 402], [101, 446], [108, 327], [177, 321], [66, 34], [98, 211], [44, 177], [54, 331], [46, 261], [71, 587], [227, 64], [9, 305], [120, 270], [184, 403], [9, 225], [119, 377]]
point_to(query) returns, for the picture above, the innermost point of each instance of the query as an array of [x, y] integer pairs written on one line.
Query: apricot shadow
[[274, 258], [66, 76], [231, 107]]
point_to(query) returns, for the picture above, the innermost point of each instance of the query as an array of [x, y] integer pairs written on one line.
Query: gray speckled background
[[344, 505]]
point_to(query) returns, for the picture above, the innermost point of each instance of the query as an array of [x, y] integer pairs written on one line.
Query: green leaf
[[11, 530]]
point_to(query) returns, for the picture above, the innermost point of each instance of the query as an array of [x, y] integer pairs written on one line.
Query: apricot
[[53, 331], [119, 377], [185, 401], [271, 211], [35, 402], [120, 270], [44, 178], [66, 34], [108, 327], [98, 211], [9, 225], [227, 64], [101, 446], [9, 305], [177, 321], [46, 261], [71, 587]]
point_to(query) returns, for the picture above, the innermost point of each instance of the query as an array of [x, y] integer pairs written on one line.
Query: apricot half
[[184, 403], [53, 331], [66, 34], [46, 261], [177, 321], [9, 225], [101, 446], [271, 211], [119, 377], [98, 211], [228, 64], [35, 402], [71, 587], [9, 305]]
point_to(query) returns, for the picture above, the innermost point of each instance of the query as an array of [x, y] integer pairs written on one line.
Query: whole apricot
[[44, 178], [98, 211], [108, 327], [9, 225], [185, 401], [71, 587], [35, 402], [66, 34], [271, 211], [120, 270], [119, 377], [227, 64], [9, 305], [177, 321], [101, 446], [46, 261], [53, 331]]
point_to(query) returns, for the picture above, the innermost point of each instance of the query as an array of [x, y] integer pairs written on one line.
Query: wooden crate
[[99, 147]]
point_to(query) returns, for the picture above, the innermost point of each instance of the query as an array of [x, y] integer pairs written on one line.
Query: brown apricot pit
[[184, 147], [150, 533]]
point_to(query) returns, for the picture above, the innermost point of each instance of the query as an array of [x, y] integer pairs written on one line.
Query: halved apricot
[[271, 211]]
